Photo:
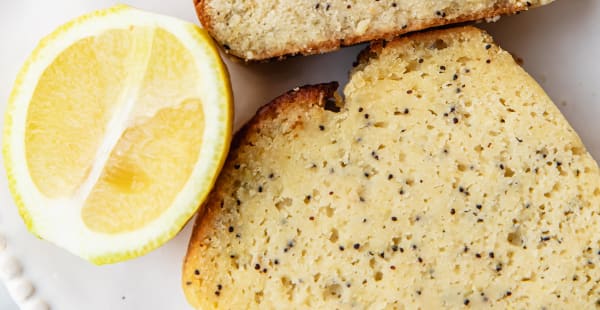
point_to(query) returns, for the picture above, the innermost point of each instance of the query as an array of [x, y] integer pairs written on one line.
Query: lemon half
[[115, 131]]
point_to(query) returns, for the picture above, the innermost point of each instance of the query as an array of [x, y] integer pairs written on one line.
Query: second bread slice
[[256, 30]]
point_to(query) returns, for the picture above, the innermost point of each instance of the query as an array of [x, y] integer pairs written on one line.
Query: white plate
[[559, 44]]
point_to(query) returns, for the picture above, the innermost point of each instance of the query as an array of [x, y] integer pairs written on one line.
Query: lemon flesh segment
[[115, 132], [155, 156], [70, 110], [146, 170]]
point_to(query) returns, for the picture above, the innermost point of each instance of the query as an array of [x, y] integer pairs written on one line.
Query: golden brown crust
[[204, 18], [307, 97], [335, 44]]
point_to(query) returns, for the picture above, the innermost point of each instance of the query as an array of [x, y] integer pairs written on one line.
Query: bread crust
[[335, 44], [305, 97]]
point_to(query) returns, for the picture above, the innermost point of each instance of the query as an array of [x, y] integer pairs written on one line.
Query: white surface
[[559, 44], [6, 302]]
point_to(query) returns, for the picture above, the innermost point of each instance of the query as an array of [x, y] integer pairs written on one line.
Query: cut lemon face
[[116, 129]]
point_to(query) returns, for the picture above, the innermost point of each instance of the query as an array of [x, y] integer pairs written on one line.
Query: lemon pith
[[114, 170]]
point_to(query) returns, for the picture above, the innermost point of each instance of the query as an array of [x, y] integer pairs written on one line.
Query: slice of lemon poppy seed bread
[[445, 178], [256, 30]]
